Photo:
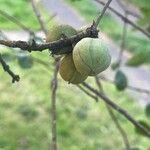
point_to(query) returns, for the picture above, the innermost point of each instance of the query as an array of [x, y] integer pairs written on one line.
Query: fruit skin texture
[[91, 56], [56, 33], [121, 81], [68, 71]]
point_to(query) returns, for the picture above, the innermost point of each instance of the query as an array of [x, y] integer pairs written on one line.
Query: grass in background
[[81, 122], [110, 26], [21, 10]]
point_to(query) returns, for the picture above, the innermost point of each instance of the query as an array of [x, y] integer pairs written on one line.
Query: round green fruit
[[91, 56], [57, 32], [68, 71]]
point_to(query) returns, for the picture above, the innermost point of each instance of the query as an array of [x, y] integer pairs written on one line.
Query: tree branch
[[102, 13], [118, 108], [54, 85], [127, 9], [136, 89], [88, 93], [7, 69], [125, 19], [114, 118], [53, 46], [118, 126], [51, 17], [123, 40], [39, 17]]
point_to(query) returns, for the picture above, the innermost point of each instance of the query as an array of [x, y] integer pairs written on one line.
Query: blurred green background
[[82, 124]]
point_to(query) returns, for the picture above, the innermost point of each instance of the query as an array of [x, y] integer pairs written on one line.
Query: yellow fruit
[[91, 56], [68, 71], [57, 32]]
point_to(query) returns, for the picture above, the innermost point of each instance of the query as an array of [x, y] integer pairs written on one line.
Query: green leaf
[[25, 61], [139, 58], [144, 124], [121, 81], [147, 110]]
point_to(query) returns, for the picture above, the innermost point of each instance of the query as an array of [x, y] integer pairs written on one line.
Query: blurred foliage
[[25, 113], [21, 10], [16, 9], [139, 58], [137, 148], [144, 7]]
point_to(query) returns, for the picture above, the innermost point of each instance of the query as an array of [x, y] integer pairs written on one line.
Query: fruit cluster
[[89, 56]]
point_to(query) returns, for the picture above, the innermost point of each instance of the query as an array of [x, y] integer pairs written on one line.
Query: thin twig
[[123, 40], [88, 93], [114, 118], [118, 126], [40, 61], [125, 19], [39, 17], [102, 13], [51, 17], [16, 21], [15, 78], [118, 108], [136, 89], [54, 85], [3, 35], [128, 10]]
